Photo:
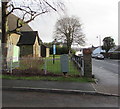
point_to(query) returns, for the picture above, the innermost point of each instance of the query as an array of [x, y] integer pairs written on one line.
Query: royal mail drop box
[[64, 63]]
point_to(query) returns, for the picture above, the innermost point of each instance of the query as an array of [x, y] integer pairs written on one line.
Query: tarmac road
[[38, 99], [106, 71], [107, 83], [108, 64]]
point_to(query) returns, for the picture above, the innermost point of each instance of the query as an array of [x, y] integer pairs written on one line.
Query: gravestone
[[64, 63]]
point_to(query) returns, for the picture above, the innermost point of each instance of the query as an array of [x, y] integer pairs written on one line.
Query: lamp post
[[99, 42]]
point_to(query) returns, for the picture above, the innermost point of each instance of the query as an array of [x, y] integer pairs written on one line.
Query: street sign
[[54, 49]]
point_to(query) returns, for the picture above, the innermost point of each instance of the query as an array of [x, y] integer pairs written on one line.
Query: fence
[[39, 66], [55, 67], [78, 60], [23, 64]]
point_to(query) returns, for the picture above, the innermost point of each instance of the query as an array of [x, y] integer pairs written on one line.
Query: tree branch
[[50, 5], [25, 22], [32, 18]]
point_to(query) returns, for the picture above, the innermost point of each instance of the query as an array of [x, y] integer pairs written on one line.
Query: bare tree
[[27, 11], [68, 29]]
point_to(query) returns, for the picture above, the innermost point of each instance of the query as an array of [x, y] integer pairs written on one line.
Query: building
[[29, 44], [45, 51], [12, 23], [13, 49]]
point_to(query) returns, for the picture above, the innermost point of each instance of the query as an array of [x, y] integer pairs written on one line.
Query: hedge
[[114, 55], [59, 50]]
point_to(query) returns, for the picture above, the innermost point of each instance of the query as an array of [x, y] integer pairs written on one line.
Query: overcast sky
[[99, 18]]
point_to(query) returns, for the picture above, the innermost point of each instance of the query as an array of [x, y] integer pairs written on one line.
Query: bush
[[73, 51], [114, 55], [31, 63], [61, 50]]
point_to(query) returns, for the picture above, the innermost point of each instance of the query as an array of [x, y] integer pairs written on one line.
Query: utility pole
[[99, 37]]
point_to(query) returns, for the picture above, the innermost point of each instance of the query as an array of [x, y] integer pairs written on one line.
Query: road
[[37, 99], [106, 71], [107, 64]]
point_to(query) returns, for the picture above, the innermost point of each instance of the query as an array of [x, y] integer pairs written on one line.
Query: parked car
[[99, 56], [94, 55]]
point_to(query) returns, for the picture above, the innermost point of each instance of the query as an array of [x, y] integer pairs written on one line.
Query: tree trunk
[[4, 35], [68, 48]]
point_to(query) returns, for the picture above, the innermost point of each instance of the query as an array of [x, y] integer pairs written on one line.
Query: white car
[[94, 55], [99, 56]]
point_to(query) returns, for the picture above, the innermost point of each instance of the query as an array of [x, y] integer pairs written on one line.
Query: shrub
[[114, 55], [31, 63]]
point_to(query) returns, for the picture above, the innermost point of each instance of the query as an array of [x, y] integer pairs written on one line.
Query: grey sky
[[99, 17]]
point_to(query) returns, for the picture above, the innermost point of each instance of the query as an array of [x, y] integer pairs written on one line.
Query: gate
[[79, 62], [84, 62]]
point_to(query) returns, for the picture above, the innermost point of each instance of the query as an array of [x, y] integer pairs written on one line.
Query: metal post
[[11, 65], [45, 67], [99, 42], [82, 68], [53, 58], [54, 52]]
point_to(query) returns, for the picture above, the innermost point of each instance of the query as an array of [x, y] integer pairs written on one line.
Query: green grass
[[48, 78], [56, 67], [53, 68], [56, 56]]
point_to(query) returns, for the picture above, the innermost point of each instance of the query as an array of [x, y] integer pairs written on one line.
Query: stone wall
[[26, 50], [87, 62], [36, 49]]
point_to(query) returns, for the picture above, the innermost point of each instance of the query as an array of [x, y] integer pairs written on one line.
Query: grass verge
[[49, 78]]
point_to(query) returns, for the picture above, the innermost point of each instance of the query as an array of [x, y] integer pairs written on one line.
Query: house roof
[[28, 38], [12, 22], [45, 46]]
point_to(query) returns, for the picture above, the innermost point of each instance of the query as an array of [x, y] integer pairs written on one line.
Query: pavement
[[54, 86]]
